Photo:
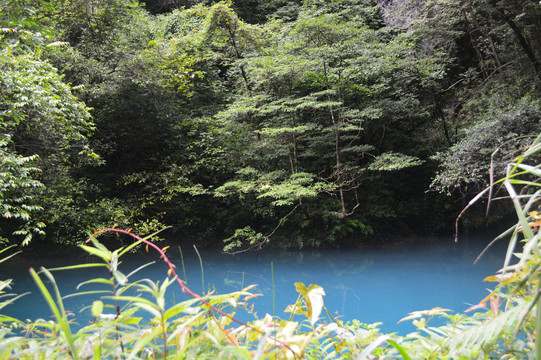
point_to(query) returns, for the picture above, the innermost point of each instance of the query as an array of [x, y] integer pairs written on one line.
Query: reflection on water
[[379, 284]]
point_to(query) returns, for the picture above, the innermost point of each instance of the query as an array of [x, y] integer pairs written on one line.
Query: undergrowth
[[503, 325]]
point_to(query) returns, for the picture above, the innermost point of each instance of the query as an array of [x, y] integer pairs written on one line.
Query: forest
[[265, 123], [247, 123]]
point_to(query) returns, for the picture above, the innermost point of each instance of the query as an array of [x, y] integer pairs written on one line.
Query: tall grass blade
[[80, 266], [59, 313], [9, 256], [273, 290], [261, 347], [370, 348], [183, 266], [538, 331], [138, 242], [11, 301], [399, 348], [506, 233], [140, 268], [202, 270], [534, 147]]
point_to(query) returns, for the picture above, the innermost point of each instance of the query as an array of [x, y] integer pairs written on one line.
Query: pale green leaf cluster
[[312, 88], [43, 126], [393, 161], [35, 97], [245, 237], [17, 183], [277, 186]]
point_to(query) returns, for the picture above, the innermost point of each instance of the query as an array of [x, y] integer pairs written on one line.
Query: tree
[[17, 182], [44, 128], [312, 87], [488, 104]]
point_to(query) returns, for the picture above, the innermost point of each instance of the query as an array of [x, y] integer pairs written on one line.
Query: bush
[[504, 324]]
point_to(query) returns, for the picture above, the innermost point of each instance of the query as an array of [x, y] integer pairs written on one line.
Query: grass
[[503, 325]]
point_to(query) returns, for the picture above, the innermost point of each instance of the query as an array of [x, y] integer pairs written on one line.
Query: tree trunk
[[524, 44]]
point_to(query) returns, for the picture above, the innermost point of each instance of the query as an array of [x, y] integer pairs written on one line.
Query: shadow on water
[[375, 284]]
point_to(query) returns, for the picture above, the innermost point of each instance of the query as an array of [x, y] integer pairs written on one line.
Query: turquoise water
[[377, 284]]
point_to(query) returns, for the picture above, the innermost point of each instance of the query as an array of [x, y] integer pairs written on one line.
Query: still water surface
[[377, 284]]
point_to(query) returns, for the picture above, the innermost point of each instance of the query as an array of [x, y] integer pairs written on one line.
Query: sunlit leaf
[[97, 308]]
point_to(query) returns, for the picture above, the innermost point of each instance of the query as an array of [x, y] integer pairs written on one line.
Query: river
[[380, 283]]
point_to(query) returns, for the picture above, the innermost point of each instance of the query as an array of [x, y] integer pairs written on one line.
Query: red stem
[[185, 289]]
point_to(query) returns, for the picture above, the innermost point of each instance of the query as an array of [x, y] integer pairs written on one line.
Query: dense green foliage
[[304, 123], [504, 325], [301, 123]]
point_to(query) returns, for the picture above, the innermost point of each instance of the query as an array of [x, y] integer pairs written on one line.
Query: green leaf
[[97, 308], [178, 308], [80, 266], [120, 278], [58, 312], [105, 255], [141, 303], [400, 349], [313, 299], [96, 281]]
